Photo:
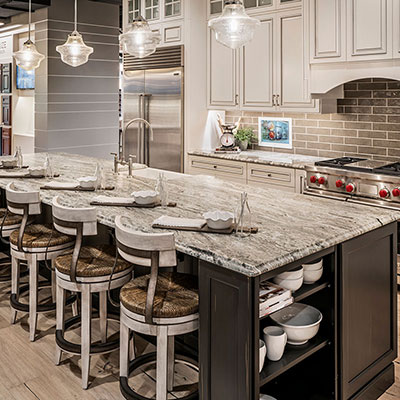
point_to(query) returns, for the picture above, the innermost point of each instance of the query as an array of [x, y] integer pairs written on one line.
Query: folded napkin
[[177, 222], [108, 200], [58, 185], [14, 174]]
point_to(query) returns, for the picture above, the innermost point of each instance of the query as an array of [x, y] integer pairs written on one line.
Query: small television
[[25, 79]]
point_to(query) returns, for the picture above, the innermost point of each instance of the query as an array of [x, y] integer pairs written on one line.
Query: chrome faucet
[[120, 159]]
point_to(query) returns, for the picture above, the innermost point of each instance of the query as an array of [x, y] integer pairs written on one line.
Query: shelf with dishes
[[302, 329]]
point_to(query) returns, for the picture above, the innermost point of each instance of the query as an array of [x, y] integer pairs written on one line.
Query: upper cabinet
[[164, 16], [353, 30], [268, 74], [216, 6]]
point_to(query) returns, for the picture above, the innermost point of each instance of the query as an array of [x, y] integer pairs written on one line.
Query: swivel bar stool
[[86, 271], [160, 304], [31, 243]]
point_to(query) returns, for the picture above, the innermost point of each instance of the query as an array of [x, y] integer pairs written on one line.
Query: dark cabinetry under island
[[350, 358]]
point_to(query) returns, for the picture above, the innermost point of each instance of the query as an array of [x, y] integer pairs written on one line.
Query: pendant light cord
[[76, 15], [30, 19]]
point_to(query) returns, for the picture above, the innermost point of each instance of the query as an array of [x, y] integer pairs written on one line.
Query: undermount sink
[[153, 173]]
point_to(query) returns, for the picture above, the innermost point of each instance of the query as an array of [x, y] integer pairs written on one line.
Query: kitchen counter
[[296, 161], [291, 226]]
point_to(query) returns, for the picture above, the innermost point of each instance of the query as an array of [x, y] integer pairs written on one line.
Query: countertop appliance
[[357, 180], [153, 90]]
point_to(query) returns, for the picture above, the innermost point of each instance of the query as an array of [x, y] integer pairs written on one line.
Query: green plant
[[245, 134]]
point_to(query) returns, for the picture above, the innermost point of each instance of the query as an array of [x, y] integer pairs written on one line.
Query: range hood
[[9, 8]]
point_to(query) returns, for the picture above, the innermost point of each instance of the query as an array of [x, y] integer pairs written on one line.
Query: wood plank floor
[[27, 370]]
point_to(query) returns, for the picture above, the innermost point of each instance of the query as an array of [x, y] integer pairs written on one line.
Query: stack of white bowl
[[313, 272], [292, 280]]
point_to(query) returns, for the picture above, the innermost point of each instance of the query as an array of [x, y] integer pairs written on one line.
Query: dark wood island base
[[350, 358]]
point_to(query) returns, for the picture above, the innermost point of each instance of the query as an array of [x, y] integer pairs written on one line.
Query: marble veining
[[296, 161], [291, 226]]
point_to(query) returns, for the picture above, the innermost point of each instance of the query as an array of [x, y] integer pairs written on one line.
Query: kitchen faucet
[[120, 159]]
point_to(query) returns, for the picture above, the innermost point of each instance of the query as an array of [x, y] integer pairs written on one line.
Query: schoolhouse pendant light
[[234, 28], [28, 57], [139, 41], [74, 51]]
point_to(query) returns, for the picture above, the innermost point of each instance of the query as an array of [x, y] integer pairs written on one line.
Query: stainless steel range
[[356, 180]]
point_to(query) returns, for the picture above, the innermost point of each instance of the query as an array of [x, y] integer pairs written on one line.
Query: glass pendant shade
[[234, 28], [28, 57], [74, 51], [139, 41]]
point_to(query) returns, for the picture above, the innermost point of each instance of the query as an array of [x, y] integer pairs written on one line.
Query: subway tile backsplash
[[367, 124]]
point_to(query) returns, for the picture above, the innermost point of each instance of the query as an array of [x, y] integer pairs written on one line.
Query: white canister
[[275, 338], [263, 353]]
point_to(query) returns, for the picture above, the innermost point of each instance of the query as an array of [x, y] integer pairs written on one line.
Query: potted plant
[[243, 137]]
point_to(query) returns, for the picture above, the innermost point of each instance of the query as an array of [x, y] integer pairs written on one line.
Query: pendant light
[[234, 28], [139, 41], [74, 51], [28, 57]]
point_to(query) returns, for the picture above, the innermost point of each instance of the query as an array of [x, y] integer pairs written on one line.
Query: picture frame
[[275, 132]]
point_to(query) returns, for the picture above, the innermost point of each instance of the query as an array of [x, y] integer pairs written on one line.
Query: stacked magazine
[[273, 298]]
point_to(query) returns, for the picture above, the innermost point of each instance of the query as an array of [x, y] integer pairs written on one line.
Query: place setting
[[217, 221]]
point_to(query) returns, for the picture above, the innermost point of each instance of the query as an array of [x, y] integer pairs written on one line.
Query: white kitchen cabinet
[[369, 29], [271, 73], [396, 29], [292, 66], [328, 30], [257, 69], [222, 72]]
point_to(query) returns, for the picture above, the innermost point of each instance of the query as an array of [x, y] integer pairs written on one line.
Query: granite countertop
[[291, 226], [297, 161]]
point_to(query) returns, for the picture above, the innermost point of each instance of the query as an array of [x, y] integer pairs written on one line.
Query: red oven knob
[[384, 193], [396, 192], [339, 183], [313, 179], [322, 180], [351, 188]]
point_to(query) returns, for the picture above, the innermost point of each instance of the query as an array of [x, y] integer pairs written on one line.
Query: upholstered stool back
[[18, 201], [136, 247], [78, 222]]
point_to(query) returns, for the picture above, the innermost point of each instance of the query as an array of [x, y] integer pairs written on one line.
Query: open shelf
[[304, 292], [292, 356]]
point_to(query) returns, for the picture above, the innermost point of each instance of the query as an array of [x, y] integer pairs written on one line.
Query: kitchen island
[[357, 341]]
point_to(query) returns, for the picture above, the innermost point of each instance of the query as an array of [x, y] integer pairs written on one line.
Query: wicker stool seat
[[11, 219], [176, 295], [40, 236], [92, 262]]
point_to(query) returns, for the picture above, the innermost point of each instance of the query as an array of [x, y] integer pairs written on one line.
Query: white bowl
[[263, 353], [312, 276], [291, 284], [88, 182], [10, 163], [37, 171], [218, 219], [313, 266], [293, 274], [145, 197], [266, 397], [300, 321]]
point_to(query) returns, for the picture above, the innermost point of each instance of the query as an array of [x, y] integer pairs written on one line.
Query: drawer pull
[[269, 175]]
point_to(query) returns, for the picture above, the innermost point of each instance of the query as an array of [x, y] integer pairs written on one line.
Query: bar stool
[[160, 304], [31, 243], [9, 223], [86, 271]]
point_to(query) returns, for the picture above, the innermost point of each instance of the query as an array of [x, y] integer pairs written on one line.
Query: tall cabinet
[[271, 72]]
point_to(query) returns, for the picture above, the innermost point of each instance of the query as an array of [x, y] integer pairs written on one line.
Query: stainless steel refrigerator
[[155, 95]]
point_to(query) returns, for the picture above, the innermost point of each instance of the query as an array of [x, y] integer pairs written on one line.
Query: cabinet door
[[328, 30], [369, 29], [396, 29], [222, 74], [368, 304], [257, 63], [6, 141], [292, 63]]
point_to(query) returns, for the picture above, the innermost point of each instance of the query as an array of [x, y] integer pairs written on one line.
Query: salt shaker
[[48, 167]]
